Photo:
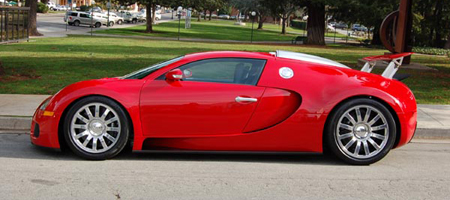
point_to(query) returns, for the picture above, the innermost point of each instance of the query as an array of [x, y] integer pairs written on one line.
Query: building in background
[[77, 2]]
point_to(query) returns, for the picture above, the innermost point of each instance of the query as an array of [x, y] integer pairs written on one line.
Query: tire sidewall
[[331, 139], [122, 140]]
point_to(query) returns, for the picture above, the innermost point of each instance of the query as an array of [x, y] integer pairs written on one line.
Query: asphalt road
[[420, 170], [53, 25]]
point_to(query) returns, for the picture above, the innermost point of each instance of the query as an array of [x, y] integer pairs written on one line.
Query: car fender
[[126, 92]]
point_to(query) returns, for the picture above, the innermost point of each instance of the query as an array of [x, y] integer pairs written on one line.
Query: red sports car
[[235, 101]]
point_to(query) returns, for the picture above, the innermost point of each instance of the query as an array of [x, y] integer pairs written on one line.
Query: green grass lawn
[[44, 66], [215, 29]]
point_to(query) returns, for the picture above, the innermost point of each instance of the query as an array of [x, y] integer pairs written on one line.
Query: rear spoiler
[[395, 62]]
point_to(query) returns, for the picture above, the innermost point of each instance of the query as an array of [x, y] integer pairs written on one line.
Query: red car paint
[[290, 114]]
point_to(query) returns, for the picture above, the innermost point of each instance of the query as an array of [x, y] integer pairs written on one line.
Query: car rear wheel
[[96, 128], [111, 23], [76, 23], [134, 21], [119, 22], [98, 24], [361, 131]]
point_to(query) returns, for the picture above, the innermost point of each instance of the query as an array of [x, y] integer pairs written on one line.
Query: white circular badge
[[286, 72]]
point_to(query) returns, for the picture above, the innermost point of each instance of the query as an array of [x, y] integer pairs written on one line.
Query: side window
[[74, 14], [84, 15], [224, 70]]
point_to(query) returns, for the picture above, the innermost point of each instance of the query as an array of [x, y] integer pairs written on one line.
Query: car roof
[[262, 55], [236, 54], [307, 58]]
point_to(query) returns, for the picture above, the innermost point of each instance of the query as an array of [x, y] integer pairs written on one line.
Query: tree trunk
[[199, 17], [153, 13], [438, 19], [210, 15], [283, 25], [32, 17], [260, 22], [447, 44], [316, 24], [376, 40], [149, 20], [204, 15]]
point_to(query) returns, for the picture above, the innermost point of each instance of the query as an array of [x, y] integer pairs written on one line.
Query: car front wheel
[[96, 128], [361, 131], [76, 23], [98, 24], [119, 22]]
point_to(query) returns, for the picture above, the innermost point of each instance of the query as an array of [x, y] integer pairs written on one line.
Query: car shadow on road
[[19, 146]]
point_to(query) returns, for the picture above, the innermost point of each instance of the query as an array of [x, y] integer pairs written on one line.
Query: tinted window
[[224, 70], [140, 74], [84, 15], [74, 14]]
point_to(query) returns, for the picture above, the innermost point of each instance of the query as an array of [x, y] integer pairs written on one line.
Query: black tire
[[121, 140], [336, 146], [120, 22], [134, 21], [70, 23], [98, 25], [111, 23], [76, 23]]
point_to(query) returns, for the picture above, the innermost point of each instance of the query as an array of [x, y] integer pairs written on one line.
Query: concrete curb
[[15, 123], [432, 133], [12, 125]]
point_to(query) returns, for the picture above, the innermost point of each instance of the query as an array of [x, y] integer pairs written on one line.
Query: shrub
[[431, 51], [298, 24], [42, 8]]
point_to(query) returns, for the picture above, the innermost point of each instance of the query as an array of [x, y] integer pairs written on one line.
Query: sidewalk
[[16, 111]]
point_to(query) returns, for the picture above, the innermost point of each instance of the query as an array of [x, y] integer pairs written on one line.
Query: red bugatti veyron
[[235, 101]]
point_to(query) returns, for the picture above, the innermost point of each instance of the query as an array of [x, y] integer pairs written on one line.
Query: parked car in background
[[358, 27], [96, 9], [103, 18], [128, 17], [77, 18], [51, 5], [142, 15], [59, 8], [116, 18], [340, 25], [224, 16]]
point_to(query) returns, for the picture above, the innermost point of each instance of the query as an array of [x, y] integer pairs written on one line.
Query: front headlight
[[45, 104]]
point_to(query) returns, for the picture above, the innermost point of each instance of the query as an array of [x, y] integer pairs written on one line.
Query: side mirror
[[174, 75]]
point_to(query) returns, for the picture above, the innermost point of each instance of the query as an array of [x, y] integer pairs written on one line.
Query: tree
[[316, 22], [282, 9], [370, 13], [212, 5], [32, 17], [433, 24]]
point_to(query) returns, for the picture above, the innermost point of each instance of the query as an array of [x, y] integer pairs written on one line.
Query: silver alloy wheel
[[95, 128], [362, 132]]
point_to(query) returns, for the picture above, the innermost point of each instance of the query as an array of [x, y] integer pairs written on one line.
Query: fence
[[14, 24]]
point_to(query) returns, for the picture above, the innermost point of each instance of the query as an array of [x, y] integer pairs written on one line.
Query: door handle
[[245, 99]]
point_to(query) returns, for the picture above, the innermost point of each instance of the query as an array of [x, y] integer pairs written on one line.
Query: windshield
[[140, 74]]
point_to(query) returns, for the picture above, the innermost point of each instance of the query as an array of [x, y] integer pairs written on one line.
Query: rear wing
[[395, 62]]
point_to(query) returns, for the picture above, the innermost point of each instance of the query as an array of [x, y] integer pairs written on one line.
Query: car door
[[215, 97], [85, 18]]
